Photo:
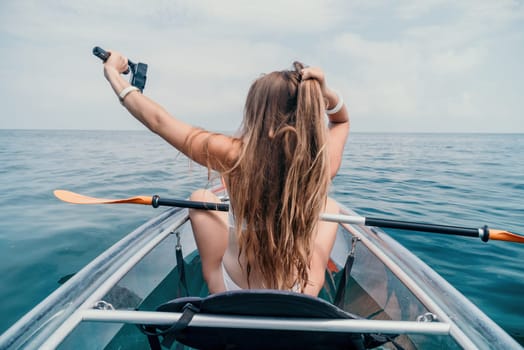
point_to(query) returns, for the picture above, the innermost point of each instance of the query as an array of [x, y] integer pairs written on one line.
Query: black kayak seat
[[258, 303]]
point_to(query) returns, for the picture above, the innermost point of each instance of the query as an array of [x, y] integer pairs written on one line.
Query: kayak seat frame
[[257, 303]]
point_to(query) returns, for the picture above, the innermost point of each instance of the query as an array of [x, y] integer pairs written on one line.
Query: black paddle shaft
[[157, 201], [482, 233], [421, 227]]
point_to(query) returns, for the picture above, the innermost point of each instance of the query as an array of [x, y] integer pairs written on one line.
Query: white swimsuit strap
[[228, 281]]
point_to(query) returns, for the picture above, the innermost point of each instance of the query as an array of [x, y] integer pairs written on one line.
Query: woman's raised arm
[[338, 132], [215, 150]]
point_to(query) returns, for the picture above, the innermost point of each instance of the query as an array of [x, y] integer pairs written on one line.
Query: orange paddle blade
[[75, 198], [500, 235]]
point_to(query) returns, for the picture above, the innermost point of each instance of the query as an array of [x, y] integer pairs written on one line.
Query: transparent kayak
[[392, 291]]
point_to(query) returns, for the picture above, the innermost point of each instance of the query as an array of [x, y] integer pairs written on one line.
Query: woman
[[277, 173]]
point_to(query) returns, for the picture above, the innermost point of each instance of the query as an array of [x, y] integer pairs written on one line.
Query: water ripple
[[463, 180]]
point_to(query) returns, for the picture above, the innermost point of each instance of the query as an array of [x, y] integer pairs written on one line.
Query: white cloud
[[434, 76], [405, 64], [292, 16], [457, 62], [414, 9]]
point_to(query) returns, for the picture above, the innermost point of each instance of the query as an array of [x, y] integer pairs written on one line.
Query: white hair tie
[[339, 105]]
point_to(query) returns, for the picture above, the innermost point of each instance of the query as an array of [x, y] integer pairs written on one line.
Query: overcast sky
[[403, 66]]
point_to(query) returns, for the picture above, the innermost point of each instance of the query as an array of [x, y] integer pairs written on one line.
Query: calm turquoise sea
[[457, 179]]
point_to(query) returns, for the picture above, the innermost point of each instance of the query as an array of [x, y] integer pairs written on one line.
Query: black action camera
[[138, 70]]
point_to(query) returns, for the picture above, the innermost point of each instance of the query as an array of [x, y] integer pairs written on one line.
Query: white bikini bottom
[[231, 285], [228, 281]]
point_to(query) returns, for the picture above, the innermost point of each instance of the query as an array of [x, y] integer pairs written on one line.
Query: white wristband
[[126, 91], [339, 105]]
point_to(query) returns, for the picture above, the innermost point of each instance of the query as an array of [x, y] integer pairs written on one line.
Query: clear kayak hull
[[387, 283]]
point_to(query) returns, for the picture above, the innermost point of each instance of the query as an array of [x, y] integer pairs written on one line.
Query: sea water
[[456, 179]]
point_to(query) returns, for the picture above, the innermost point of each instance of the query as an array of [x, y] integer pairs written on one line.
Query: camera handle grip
[[104, 55]]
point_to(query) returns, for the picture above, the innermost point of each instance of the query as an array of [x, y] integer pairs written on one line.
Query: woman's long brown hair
[[278, 185]]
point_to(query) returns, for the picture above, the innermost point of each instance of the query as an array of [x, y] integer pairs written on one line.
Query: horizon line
[[233, 131]]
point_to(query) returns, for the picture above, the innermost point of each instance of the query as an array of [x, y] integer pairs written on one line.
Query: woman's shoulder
[[215, 150]]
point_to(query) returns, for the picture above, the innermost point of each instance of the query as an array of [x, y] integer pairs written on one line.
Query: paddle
[[155, 201], [484, 233]]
